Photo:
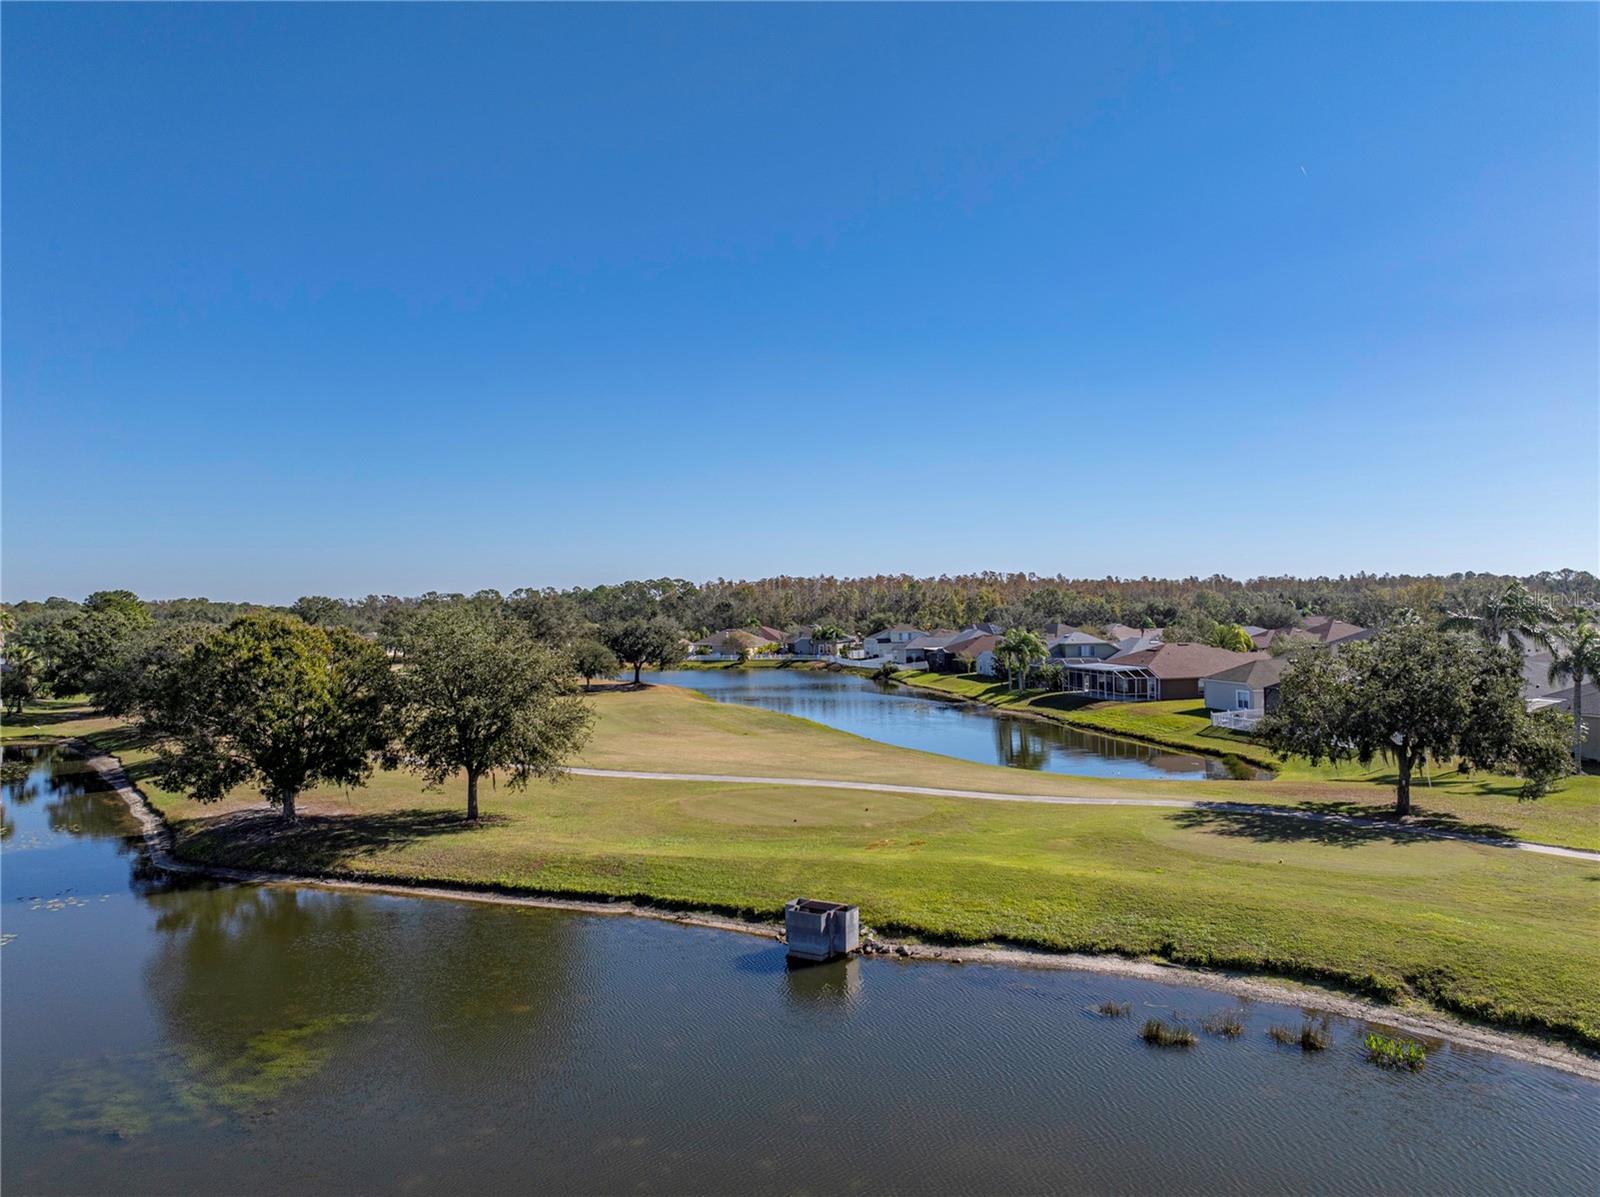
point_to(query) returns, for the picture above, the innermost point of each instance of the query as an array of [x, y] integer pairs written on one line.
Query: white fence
[[1244, 721]]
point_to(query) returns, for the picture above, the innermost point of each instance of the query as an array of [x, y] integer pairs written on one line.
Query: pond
[[247, 1039], [968, 730]]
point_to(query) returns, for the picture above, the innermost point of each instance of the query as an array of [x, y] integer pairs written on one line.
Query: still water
[[242, 1039], [966, 730]]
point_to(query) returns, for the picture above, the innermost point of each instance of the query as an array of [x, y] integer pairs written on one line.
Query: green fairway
[[1504, 935], [1569, 815]]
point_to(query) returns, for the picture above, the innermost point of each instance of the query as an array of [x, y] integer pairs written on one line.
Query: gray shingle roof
[[1258, 674]]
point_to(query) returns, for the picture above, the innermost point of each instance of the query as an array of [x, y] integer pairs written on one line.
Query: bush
[[1113, 1009], [1543, 751], [1310, 1037], [1386, 1052], [1160, 1033], [1226, 1023]]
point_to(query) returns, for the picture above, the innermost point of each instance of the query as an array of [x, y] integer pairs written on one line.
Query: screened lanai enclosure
[[1111, 682]]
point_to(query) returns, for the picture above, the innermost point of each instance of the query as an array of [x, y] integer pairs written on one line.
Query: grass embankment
[[1505, 936], [1483, 802], [1169, 724]]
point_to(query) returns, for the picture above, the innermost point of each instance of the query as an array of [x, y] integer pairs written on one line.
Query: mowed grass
[[1448, 798], [1501, 935], [1180, 723]]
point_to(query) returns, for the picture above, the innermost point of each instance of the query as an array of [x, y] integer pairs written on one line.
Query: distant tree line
[[563, 617]]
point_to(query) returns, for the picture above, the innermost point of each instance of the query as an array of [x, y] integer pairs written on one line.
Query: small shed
[[821, 930]]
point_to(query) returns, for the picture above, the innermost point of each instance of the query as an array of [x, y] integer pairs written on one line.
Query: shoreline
[[1064, 719], [1521, 1046]]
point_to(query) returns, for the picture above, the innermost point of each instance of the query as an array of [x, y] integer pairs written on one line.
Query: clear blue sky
[[343, 299]]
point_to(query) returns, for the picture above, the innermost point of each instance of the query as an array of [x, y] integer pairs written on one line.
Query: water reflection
[[75, 793], [832, 986], [967, 731], [1019, 745]]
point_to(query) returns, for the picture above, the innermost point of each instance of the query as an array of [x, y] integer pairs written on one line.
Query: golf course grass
[[1500, 935]]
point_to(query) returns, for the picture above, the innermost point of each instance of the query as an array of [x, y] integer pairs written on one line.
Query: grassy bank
[[1168, 724], [1571, 813], [1504, 936], [675, 730]]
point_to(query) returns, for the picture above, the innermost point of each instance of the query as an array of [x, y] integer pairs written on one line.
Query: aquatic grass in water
[[1158, 1032], [1113, 1009], [1225, 1023], [101, 1098], [1387, 1052], [1309, 1038]]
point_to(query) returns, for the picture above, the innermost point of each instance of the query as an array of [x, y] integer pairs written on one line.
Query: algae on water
[[128, 1096]]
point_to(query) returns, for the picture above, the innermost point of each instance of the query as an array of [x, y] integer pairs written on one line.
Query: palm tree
[[1575, 656], [19, 683], [828, 633], [1512, 615], [1232, 637], [1019, 649]]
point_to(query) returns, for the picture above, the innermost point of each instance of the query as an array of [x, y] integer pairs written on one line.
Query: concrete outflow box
[[821, 930]]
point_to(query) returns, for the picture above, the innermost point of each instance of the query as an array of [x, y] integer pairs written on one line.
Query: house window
[[1242, 698]]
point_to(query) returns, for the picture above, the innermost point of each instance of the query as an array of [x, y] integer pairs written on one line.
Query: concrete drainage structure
[[821, 930]]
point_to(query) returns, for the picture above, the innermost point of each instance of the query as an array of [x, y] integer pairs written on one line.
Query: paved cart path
[[1250, 808]]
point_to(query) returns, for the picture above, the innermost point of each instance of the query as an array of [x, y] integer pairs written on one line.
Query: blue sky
[[340, 299]]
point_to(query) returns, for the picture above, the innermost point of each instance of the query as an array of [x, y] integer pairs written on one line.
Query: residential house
[[1251, 686], [1539, 692], [981, 653], [915, 652], [1164, 671], [1134, 644], [958, 649], [1322, 630], [1054, 631], [732, 642], [1591, 714], [803, 642], [887, 642], [1077, 644], [1122, 631]]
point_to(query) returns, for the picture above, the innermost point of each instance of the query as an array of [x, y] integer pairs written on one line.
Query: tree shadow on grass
[[50, 711], [1335, 824], [262, 839], [118, 740], [1061, 702]]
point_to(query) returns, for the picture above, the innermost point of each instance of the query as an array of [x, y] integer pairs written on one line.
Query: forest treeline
[[862, 605]]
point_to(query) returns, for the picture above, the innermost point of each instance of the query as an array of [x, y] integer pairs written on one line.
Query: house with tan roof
[[734, 642], [959, 649], [1322, 630]]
